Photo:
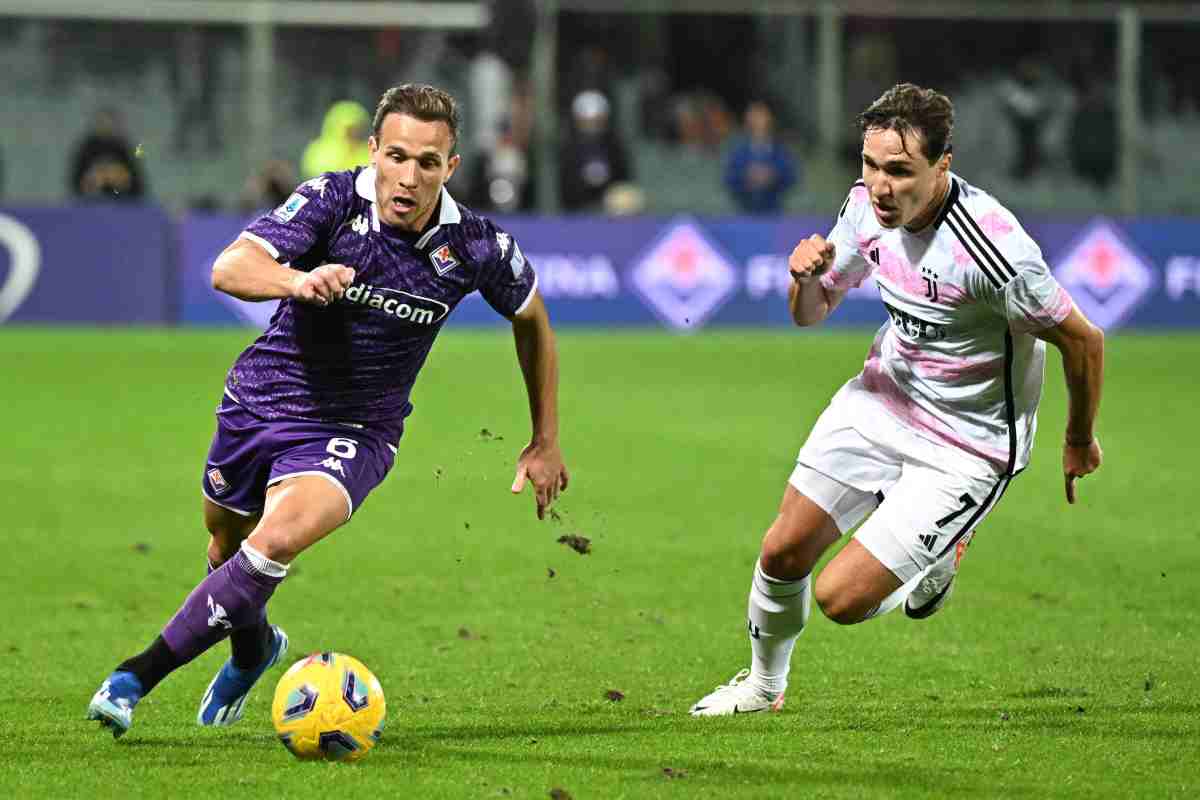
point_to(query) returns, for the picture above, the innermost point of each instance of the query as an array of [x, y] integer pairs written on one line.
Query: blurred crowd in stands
[[655, 114]]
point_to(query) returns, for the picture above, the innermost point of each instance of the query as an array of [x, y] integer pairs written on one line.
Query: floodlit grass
[[1065, 666]]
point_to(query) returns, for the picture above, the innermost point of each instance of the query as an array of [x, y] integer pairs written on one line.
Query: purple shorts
[[249, 454]]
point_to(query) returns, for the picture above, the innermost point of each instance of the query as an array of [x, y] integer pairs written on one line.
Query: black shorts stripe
[[1010, 418], [1012, 273], [971, 249], [990, 501], [1010, 406]]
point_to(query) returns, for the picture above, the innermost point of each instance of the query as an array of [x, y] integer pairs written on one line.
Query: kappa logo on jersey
[[1105, 275], [317, 184], [333, 465], [360, 225], [443, 259], [517, 262], [290, 208], [397, 303], [218, 481], [684, 277]]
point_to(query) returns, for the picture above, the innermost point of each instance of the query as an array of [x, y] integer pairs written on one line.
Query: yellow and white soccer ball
[[329, 706]]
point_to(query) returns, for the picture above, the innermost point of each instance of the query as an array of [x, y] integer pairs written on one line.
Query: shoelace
[[736, 682]]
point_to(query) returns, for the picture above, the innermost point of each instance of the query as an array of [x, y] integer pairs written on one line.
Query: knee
[[282, 536], [777, 557], [222, 545]]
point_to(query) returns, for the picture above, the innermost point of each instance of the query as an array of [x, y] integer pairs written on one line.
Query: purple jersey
[[355, 361]]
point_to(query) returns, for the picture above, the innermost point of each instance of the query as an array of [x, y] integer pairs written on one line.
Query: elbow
[[803, 320], [220, 276]]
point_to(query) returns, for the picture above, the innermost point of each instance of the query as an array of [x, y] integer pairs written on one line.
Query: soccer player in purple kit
[[367, 265]]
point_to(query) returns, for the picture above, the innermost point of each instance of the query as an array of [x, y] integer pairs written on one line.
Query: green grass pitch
[[1065, 666]]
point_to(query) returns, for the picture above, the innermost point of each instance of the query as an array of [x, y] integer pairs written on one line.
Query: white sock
[[778, 612], [897, 597], [263, 564]]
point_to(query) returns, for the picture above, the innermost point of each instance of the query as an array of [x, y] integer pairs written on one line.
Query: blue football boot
[[226, 695], [113, 703]]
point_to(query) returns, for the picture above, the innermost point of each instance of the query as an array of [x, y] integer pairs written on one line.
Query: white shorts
[[926, 498]]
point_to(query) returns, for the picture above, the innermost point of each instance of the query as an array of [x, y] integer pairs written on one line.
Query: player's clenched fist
[[323, 285], [811, 258]]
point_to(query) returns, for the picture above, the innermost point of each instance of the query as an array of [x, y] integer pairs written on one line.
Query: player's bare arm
[[1082, 347], [809, 301], [541, 461], [247, 271]]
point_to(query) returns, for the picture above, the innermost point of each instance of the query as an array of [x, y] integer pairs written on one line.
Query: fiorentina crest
[[684, 277], [443, 259], [1105, 275]]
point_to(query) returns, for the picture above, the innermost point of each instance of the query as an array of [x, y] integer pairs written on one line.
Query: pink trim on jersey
[[1047, 316], [835, 279], [897, 402], [949, 369], [1062, 306], [995, 224], [897, 269], [961, 257]]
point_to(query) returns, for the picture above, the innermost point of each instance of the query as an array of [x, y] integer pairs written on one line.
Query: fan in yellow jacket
[[342, 144]]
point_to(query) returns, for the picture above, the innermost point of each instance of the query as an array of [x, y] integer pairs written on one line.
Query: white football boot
[[935, 587], [736, 697]]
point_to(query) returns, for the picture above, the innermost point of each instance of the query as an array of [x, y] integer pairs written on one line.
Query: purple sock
[[249, 645], [233, 596]]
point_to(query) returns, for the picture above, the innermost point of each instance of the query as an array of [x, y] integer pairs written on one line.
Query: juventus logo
[[930, 279]]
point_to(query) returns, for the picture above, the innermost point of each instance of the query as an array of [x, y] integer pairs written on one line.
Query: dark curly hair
[[906, 108]]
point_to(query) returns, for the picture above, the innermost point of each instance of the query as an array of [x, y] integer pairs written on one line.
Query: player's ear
[[944, 162], [452, 165], [372, 146]]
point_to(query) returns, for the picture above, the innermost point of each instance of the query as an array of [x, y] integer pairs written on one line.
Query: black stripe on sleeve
[[960, 215], [988, 242], [970, 248]]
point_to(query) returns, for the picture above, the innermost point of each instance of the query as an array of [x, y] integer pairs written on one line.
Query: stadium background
[[1073, 632]]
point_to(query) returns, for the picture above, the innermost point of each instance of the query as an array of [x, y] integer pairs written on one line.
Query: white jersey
[[957, 362]]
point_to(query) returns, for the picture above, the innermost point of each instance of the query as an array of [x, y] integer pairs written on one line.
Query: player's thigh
[[300, 511]]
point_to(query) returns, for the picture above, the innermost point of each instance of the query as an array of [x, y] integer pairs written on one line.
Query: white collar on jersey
[[364, 185]]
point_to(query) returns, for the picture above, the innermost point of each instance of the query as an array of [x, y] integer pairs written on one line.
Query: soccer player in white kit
[[924, 441]]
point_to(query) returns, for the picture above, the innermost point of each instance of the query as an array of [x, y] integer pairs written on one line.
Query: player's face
[[902, 183], [412, 160]]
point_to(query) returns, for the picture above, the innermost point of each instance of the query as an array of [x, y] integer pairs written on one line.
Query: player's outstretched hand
[[541, 465], [811, 258], [1080, 460], [323, 285]]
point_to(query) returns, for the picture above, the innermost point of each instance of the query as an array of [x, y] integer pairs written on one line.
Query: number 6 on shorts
[[342, 448]]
